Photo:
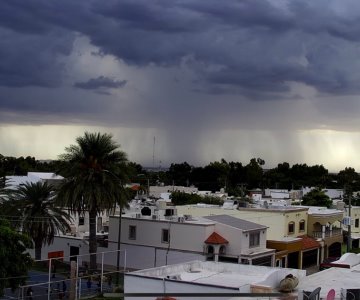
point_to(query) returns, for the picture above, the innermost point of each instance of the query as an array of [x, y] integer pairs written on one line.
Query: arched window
[[278, 263], [210, 249], [302, 225], [291, 228], [222, 250], [210, 253]]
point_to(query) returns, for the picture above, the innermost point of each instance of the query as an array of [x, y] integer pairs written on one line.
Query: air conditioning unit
[[138, 216], [181, 219]]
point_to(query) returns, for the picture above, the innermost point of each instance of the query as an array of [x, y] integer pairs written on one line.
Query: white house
[[155, 239]]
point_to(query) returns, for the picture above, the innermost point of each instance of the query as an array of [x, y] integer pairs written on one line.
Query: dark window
[[165, 236], [291, 228], [146, 211], [302, 225], [132, 232], [81, 221], [254, 239], [357, 223], [169, 212]]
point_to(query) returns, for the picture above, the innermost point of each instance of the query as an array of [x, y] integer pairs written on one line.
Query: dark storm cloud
[[252, 46], [100, 82], [33, 59]]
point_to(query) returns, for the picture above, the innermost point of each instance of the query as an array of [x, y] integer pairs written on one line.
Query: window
[[357, 223], [132, 232], [291, 228], [81, 221], [222, 250], [254, 239], [165, 236], [169, 212], [302, 225]]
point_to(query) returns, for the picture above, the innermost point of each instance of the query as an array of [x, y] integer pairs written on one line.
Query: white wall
[[183, 236], [143, 257]]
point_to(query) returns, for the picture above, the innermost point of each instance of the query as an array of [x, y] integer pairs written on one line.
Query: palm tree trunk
[[92, 239], [38, 251]]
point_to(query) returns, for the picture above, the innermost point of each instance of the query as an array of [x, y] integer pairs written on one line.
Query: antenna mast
[[154, 154]]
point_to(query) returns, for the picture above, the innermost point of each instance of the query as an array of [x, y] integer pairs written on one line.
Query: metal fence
[[71, 278]]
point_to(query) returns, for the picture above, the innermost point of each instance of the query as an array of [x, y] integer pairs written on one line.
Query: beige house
[[325, 225], [355, 225], [287, 231]]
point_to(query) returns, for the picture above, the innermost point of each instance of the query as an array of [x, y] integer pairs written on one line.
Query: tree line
[[235, 177]]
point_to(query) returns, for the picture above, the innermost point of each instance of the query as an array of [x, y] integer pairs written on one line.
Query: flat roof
[[173, 219], [274, 209], [236, 222], [318, 210], [333, 278], [216, 273], [45, 175]]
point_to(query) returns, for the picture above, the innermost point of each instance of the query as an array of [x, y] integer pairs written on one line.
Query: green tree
[[316, 197], [94, 170], [33, 211], [179, 174], [182, 198], [254, 172], [15, 263]]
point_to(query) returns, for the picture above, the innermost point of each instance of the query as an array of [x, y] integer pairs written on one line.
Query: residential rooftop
[[333, 278], [235, 276], [236, 222]]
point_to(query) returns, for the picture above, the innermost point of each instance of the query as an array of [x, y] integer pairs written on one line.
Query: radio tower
[[154, 154]]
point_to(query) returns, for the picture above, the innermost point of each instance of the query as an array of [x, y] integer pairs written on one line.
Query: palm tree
[[31, 208], [94, 170]]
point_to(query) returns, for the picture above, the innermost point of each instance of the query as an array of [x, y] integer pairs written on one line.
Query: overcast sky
[[212, 79]]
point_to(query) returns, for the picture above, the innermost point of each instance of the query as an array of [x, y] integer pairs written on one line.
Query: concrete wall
[[135, 284], [143, 257]]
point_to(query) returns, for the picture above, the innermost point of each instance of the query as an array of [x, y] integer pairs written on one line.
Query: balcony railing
[[328, 233]]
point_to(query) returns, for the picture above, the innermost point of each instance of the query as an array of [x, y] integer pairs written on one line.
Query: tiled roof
[[308, 242], [216, 239], [135, 187]]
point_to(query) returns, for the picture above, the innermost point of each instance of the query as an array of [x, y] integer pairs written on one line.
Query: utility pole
[[118, 249]]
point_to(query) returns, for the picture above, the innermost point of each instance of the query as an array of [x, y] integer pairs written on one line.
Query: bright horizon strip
[[335, 150]]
